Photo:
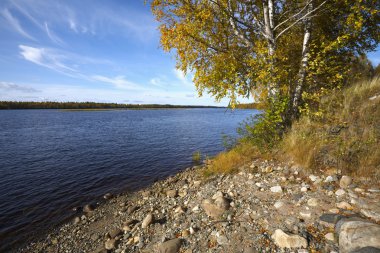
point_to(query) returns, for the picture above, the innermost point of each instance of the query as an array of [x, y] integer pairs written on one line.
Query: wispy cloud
[[119, 82], [53, 37], [6, 86], [48, 58], [15, 24]]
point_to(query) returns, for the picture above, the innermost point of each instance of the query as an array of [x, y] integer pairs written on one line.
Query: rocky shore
[[265, 207]]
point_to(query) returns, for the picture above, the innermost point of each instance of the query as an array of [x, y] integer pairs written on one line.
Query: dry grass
[[347, 137], [230, 161]]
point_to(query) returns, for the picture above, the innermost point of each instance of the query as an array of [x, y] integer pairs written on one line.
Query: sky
[[90, 50]]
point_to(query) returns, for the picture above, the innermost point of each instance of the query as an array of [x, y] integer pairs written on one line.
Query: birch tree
[[273, 50]]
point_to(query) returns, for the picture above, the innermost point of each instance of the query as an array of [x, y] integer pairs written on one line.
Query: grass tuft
[[230, 161]]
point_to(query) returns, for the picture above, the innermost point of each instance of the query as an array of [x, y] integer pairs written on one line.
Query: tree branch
[[300, 19]]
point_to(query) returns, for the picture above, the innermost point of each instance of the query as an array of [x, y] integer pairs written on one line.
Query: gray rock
[[372, 214], [147, 220], [345, 181], [171, 246], [367, 250], [355, 234], [283, 240], [330, 218]]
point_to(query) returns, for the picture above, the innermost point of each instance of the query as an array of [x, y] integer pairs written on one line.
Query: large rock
[[171, 246], [345, 181], [283, 240], [355, 234]]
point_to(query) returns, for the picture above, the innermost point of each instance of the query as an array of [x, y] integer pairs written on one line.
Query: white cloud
[[118, 82], [48, 58], [15, 24]]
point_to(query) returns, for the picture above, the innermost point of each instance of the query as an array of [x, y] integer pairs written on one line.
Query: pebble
[[276, 189], [147, 220], [340, 192], [283, 240], [312, 202], [110, 244], [171, 246], [345, 181]]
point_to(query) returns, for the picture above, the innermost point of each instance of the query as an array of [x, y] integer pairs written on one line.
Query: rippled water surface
[[52, 161]]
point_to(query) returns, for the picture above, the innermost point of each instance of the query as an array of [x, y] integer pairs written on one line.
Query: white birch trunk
[[304, 63]]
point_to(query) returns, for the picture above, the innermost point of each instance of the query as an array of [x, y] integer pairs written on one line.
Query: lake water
[[52, 161]]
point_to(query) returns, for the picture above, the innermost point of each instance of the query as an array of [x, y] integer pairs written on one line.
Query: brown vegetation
[[345, 136]]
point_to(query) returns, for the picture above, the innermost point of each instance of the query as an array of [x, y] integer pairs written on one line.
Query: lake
[[52, 161]]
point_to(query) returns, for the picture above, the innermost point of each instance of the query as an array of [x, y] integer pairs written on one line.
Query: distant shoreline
[[9, 105]]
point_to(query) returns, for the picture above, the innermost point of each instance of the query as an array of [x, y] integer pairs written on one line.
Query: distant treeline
[[257, 106], [86, 105]]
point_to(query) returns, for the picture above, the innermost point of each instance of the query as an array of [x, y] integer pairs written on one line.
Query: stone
[[276, 189], [171, 246], [222, 202], [313, 178], [217, 195], [371, 214], [115, 232], [331, 218], [76, 220], [172, 193], [131, 209], [303, 189], [212, 210], [330, 179], [197, 183], [147, 220], [278, 204], [108, 196], [345, 181], [330, 236], [88, 208], [283, 240], [250, 250], [344, 205], [110, 244], [355, 234], [367, 250], [306, 214], [340, 192], [312, 202], [222, 240]]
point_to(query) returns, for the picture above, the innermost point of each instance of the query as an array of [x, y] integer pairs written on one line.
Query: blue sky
[[89, 50]]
